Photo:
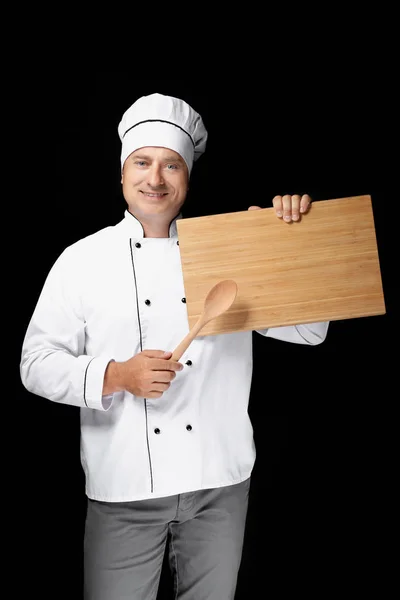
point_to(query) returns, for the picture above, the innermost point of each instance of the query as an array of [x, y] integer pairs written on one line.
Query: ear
[[254, 208]]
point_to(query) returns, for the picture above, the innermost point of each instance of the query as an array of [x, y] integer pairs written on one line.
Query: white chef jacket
[[108, 297]]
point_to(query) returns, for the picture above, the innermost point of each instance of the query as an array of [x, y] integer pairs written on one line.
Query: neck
[[152, 231], [154, 228]]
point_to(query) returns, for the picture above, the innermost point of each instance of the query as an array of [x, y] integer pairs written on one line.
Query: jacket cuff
[[93, 384]]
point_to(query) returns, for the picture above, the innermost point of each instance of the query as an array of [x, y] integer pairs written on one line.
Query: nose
[[155, 178]]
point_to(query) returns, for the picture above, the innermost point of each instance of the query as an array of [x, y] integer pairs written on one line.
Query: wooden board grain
[[323, 268]]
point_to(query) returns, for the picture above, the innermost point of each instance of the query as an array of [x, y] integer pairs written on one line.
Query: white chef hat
[[158, 120]]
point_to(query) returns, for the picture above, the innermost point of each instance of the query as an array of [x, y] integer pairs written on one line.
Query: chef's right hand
[[147, 374]]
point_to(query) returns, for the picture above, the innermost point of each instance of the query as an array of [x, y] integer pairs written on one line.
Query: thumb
[[157, 354], [254, 208]]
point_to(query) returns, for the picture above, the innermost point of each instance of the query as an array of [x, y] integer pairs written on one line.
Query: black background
[[319, 414]]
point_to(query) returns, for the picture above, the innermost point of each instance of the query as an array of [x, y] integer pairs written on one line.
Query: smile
[[151, 195]]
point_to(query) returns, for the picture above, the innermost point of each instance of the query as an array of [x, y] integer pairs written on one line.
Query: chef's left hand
[[289, 207]]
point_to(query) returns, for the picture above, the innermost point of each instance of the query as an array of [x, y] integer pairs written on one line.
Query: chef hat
[[158, 120]]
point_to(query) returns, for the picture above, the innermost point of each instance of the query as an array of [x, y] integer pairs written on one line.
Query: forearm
[[61, 377]]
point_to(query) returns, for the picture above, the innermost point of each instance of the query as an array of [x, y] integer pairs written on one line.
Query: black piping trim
[[169, 226], [302, 336], [141, 349], [160, 121], [139, 224], [84, 382]]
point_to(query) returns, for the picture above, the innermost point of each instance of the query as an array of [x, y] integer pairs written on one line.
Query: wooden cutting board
[[323, 268]]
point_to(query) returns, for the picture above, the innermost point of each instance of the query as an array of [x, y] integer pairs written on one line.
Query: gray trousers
[[124, 545]]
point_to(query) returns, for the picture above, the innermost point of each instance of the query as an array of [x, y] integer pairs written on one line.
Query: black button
[[189, 363], [189, 427], [184, 300], [138, 245], [157, 430], [147, 302], [177, 243]]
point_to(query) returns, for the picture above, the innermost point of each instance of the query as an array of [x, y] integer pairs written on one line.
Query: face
[[155, 183]]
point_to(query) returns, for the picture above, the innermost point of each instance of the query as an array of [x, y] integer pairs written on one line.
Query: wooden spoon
[[218, 300]]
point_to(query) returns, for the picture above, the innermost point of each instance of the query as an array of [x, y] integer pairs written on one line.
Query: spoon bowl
[[218, 300]]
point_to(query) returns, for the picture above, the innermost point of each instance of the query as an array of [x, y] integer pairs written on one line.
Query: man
[[166, 447]]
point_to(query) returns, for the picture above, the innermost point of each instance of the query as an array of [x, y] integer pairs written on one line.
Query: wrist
[[113, 378]]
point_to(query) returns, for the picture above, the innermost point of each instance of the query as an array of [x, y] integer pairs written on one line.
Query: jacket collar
[[136, 230]]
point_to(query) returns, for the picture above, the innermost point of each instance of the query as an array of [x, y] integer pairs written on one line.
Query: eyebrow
[[166, 159]]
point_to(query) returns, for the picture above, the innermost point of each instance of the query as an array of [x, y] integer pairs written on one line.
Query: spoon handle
[[187, 340]]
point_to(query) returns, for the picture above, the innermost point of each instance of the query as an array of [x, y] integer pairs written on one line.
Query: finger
[[153, 395], [159, 386], [163, 376], [277, 204], [254, 208], [305, 203], [287, 207], [296, 207], [165, 365], [157, 354]]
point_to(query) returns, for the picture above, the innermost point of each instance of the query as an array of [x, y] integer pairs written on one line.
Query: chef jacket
[[107, 297]]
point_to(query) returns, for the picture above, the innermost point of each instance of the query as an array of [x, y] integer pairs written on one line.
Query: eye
[[171, 166], [140, 163]]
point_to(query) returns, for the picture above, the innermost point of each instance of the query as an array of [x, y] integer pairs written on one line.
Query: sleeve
[[311, 334], [53, 360]]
